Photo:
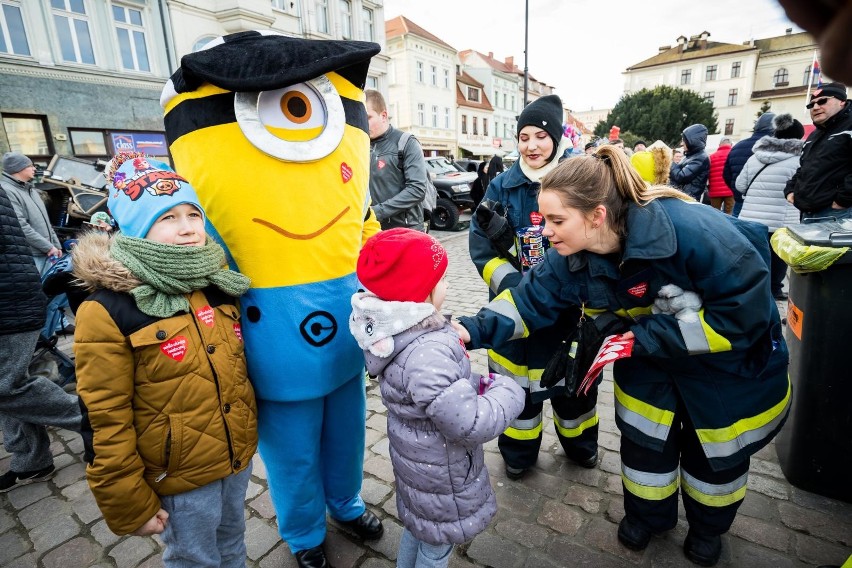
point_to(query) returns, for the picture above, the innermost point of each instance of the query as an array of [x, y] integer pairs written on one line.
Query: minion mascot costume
[[273, 132]]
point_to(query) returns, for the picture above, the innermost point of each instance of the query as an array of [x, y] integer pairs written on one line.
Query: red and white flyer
[[612, 349]]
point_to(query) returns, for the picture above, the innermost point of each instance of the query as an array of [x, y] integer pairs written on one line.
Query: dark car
[[453, 192], [467, 165]]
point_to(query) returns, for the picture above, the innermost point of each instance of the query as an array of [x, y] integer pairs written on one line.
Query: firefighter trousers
[[575, 422], [651, 480]]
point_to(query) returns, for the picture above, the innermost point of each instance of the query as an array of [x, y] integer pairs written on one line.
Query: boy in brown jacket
[[169, 416]]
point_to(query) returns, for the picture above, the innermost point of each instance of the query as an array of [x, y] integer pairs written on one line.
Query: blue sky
[[581, 47]]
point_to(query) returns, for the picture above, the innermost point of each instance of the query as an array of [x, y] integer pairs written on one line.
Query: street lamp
[[526, 47]]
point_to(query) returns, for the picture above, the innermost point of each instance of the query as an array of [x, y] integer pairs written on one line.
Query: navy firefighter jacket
[[729, 366]]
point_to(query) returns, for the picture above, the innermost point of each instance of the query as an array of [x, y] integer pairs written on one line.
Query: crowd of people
[[179, 383]]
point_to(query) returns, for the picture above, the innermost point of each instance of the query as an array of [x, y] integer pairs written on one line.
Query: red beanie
[[401, 265]]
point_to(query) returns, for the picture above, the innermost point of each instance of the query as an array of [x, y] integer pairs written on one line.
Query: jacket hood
[[95, 267], [769, 149], [763, 124], [696, 138]]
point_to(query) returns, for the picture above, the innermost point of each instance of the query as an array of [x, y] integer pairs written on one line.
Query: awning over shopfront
[[481, 149]]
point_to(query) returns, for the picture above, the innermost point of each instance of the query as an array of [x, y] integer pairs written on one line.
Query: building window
[[504, 101], [28, 135], [421, 114], [496, 128], [131, 38], [201, 42], [475, 126], [447, 118], [710, 73], [729, 127], [496, 98], [513, 103], [372, 82], [732, 97], [322, 16], [781, 78], [446, 78], [72, 28], [433, 75], [282, 4], [346, 19], [419, 71], [686, 77], [434, 116], [473, 94], [13, 36], [464, 124], [88, 142], [485, 127], [710, 96], [367, 21], [735, 69]]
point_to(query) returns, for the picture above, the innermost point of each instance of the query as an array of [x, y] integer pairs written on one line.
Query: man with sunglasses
[[822, 186]]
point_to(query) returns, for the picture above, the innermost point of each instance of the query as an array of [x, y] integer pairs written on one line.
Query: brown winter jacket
[[167, 405]]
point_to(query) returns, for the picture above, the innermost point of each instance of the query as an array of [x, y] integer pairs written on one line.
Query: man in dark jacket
[[27, 403], [397, 195], [740, 154], [690, 175], [822, 186]]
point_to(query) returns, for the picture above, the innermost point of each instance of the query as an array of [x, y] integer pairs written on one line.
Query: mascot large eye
[[299, 123]]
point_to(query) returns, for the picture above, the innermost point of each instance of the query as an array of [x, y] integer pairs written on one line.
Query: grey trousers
[[28, 403]]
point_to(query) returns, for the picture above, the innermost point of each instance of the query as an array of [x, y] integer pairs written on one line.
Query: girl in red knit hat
[[439, 412]]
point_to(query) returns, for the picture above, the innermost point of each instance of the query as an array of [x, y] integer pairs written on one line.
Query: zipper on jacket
[[167, 456]]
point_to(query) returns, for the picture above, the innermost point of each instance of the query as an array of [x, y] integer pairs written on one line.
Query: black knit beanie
[[787, 127], [545, 113]]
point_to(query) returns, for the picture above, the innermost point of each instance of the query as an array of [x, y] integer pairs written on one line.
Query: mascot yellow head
[[272, 131]]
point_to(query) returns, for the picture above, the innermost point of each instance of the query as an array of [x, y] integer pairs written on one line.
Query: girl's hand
[[155, 525], [464, 334]]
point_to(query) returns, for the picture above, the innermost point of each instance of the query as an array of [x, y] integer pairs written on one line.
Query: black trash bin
[[815, 445]]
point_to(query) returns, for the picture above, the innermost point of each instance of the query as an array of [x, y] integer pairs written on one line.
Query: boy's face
[[439, 294], [181, 225]]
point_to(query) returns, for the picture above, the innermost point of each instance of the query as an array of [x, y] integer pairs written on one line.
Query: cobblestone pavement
[[559, 515]]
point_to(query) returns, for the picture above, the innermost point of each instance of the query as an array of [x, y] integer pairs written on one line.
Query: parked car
[[453, 192], [467, 165]]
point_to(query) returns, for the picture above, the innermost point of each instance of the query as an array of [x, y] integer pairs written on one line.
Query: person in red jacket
[[721, 196]]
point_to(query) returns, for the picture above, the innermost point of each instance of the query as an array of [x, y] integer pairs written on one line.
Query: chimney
[[789, 31], [490, 55], [510, 62], [703, 41], [681, 43], [663, 48]]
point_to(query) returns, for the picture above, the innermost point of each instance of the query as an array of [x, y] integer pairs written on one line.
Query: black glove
[[490, 216]]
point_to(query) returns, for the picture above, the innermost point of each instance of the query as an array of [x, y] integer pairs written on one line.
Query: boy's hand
[[464, 334], [155, 525]]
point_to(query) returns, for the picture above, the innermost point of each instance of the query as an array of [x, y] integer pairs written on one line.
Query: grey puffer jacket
[[765, 202], [437, 421]]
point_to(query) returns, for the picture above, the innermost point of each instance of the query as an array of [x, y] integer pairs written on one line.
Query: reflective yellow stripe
[[633, 313], [650, 420], [495, 271], [721, 442], [498, 305], [649, 486], [573, 432], [716, 342], [848, 563], [715, 495], [518, 434]]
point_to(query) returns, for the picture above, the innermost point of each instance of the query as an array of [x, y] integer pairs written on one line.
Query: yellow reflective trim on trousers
[[531, 434], [512, 369], [574, 432], [643, 409], [649, 493], [714, 500], [716, 342], [632, 313], [743, 427]]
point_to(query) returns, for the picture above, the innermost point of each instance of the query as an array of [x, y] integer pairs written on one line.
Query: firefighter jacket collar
[[650, 235]]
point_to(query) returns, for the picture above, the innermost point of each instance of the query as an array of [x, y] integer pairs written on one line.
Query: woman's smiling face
[[535, 146]]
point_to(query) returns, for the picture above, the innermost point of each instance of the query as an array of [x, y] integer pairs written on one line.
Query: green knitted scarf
[[170, 272]]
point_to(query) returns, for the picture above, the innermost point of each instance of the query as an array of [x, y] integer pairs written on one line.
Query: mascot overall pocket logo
[[205, 315], [345, 172], [638, 290], [175, 348]]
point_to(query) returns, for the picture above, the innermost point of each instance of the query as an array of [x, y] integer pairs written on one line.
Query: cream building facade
[[476, 136]]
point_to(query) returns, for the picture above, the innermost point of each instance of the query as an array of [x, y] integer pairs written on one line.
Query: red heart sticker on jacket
[[238, 331], [380, 164], [205, 314], [638, 290], [346, 172], [536, 218], [175, 348]]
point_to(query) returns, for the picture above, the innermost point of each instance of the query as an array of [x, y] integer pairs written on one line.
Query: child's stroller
[[56, 280]]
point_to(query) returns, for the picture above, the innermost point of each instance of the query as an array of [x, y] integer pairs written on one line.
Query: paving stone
[[760, 532], [77, 552], [101, 533], [754, 556], [496, 552], [524, 533], [609, 441], [64, 460], [380, 467], [86, 508], [770, 487], [375, 404], [253, 490], [131, 550], [562, 549], [768, 468], [388, 545], [378, 563], [260, 538], [279, 557], [71, 474], [7, 520], [610, 462], [572, 472], [75, 490], [587, 499], [613, 485], [258, 468], [25, 561], [342, 552], [516, 500], [374, 492], [155, 561], [759, 506], [816, 524], [53, 532], [378, 422], [560, 518], [389, 506], [820, 503], [382, 447], [12, 545], [372, 436], [263, 505], [818, 552], [25, 495], [42, 511], [75, 446], [544, 484]]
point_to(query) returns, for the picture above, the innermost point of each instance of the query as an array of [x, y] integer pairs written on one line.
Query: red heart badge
[[346, 172], [638, 290], [205, 314], [238, 331], [536, 218], [174, 348], [380, 164]]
